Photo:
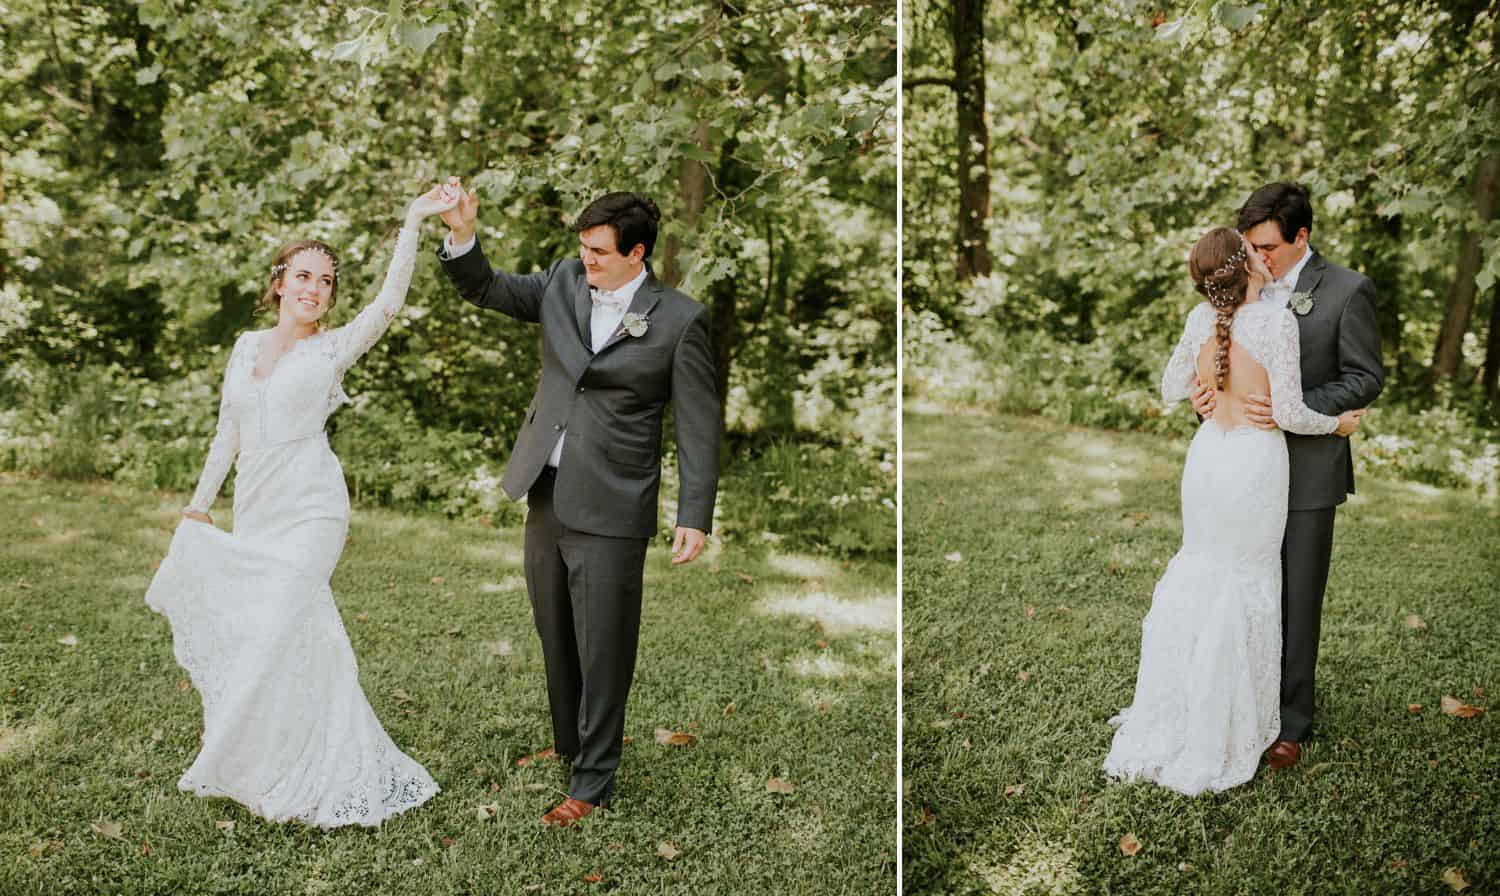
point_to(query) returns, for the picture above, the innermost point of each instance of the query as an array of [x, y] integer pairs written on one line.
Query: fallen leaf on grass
[[1129, 845], [1015, 789], [486, 811], [1030, 611], [1398, 864], [146, 848], [668, 850], [729, 710], [68, 640], [1413, 707], [548, 753], [361, 617], [108, 828], [1452, 706], [777, 785], [1454, 878], [1415, 622], [456, 630], [448, 842], [183, 684], [1023, 675], [1184, 867], [967, 745], [954, 557], [402, 697], [744, 577], [928, 816], [593, 878], [437, 580], [500, 648], [668, 738], [224, 825]]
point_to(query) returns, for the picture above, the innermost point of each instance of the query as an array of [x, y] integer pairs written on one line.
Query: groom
[[617, 347], [1341, 371]]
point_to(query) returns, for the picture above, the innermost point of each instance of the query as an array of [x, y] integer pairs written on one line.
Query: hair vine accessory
[[277, 269], [1236, 258]]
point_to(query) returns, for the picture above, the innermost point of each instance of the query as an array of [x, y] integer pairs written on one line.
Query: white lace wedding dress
[[1207, 701], [287, 731]]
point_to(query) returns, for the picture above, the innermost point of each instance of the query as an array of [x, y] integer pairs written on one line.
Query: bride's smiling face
[[306, 287]]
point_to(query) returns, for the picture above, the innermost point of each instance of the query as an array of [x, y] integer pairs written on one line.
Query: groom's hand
[[1258, 412], [687, 544], [462, 217], [1203, 399]]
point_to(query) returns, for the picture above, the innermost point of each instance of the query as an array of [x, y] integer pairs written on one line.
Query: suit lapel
[[583, 309], [1312, 273], [641, 304]]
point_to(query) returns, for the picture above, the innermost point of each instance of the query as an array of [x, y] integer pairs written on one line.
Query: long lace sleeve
[[226, 441], [1182, 370], [358, 336], [1288, 409]]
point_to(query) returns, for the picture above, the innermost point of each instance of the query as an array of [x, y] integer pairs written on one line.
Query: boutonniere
[[635, 324], [1300, 303]]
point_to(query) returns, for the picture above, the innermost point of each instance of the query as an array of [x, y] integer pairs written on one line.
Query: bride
[[1206, 695], [287, 732]]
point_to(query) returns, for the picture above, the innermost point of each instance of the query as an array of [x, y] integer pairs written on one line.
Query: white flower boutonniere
[[1300, 303], [635, 324]]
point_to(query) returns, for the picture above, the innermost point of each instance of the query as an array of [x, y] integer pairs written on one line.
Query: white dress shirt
[[1280, 290], [606, 317]]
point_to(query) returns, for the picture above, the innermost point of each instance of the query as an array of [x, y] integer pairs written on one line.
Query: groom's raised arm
[[1361, 372], [518, 295], [695, 411]]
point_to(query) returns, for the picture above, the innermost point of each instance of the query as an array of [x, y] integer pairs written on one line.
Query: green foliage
[[156, 153], [814, 497], [1122, 131], [1116, 386]]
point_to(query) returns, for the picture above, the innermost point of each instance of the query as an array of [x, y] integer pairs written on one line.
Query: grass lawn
[[782, 664], [1030, 553]]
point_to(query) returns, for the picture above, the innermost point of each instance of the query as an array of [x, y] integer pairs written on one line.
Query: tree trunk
[[1492, 350], [973, 140], [692, 194], [726, 338], [1463, 290]]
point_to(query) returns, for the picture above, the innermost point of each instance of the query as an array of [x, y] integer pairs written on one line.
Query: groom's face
[[1278, 254], [603, 264]]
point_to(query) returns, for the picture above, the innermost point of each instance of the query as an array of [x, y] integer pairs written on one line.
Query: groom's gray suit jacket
[[611, 402], [1341, 371]]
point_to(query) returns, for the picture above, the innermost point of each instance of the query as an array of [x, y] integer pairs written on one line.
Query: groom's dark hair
[[1288, 204], [631, 216]]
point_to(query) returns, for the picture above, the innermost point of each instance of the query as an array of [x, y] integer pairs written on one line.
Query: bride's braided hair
[[1217, 265]]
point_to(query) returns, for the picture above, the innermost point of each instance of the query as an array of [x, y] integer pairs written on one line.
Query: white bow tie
[[607, 297]]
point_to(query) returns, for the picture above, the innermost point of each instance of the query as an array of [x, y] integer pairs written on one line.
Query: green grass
[[99, 732], [1016, 655]]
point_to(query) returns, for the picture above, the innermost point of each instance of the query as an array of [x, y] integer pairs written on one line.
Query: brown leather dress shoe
[[1283, 754], [569, 811]]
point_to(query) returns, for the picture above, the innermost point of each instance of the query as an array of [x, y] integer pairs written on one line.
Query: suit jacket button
[[580, 388]]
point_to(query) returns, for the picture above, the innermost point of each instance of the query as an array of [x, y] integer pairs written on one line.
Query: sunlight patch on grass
[[804, 566], [834, 614], [505, 551], [819, 699], [509, 583], [1038, 867], [824, 665], [19, 740]]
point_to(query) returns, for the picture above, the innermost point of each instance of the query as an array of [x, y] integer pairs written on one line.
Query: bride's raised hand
[[1260, 275], [435, 201]]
